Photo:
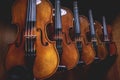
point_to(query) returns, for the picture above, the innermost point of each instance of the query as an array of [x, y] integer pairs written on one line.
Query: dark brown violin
[[102, 51], [107, 34], [81, 26], [66, 48], [95, 41], [32, 51]]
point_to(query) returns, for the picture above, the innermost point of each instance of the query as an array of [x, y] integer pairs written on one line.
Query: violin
[[101, 48], [107, 39], [67, 51], [32, 52], [95, 41], [81, 27]]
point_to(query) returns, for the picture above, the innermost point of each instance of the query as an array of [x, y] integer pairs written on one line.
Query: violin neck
[[30, 16], [76, 19], [31, 11], [58, 22], [93, 35], [105, 30], [30, 21]]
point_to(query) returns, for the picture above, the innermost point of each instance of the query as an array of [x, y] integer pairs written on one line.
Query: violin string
[[30, 28], [59, 23], [32, 36], [26, 30]]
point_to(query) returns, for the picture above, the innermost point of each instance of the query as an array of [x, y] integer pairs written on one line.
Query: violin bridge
[[30, 36]]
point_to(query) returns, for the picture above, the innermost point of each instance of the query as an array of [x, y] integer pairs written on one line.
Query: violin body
[[70, 54], [15, 55], [102, 51], [88, 53], [46, 60]]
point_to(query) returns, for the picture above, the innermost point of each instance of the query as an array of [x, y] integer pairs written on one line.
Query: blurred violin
[[81, 27], [110, 45], [32, 52], [102, 51], [95, 41]]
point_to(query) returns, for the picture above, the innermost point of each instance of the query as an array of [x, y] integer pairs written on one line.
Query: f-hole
[[17, 44], [41, 38], [68, 42]]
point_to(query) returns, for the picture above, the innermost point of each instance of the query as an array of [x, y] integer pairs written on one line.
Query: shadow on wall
[[116, 38]]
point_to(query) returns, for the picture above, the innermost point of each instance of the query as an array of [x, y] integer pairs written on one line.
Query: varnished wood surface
[[88, 53], [46, 59], [69, 57], [96, 72]]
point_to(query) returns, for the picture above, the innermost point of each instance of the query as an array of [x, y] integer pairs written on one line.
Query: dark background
[[108, 8]]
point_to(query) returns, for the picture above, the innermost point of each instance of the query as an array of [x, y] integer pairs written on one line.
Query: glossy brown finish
[[102, 51], [88, 53], [97, 73], [46, 61], [70, 55]]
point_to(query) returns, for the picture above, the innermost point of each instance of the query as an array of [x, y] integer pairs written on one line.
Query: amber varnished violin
[[68, 53], [81, 26], [32, 50]]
